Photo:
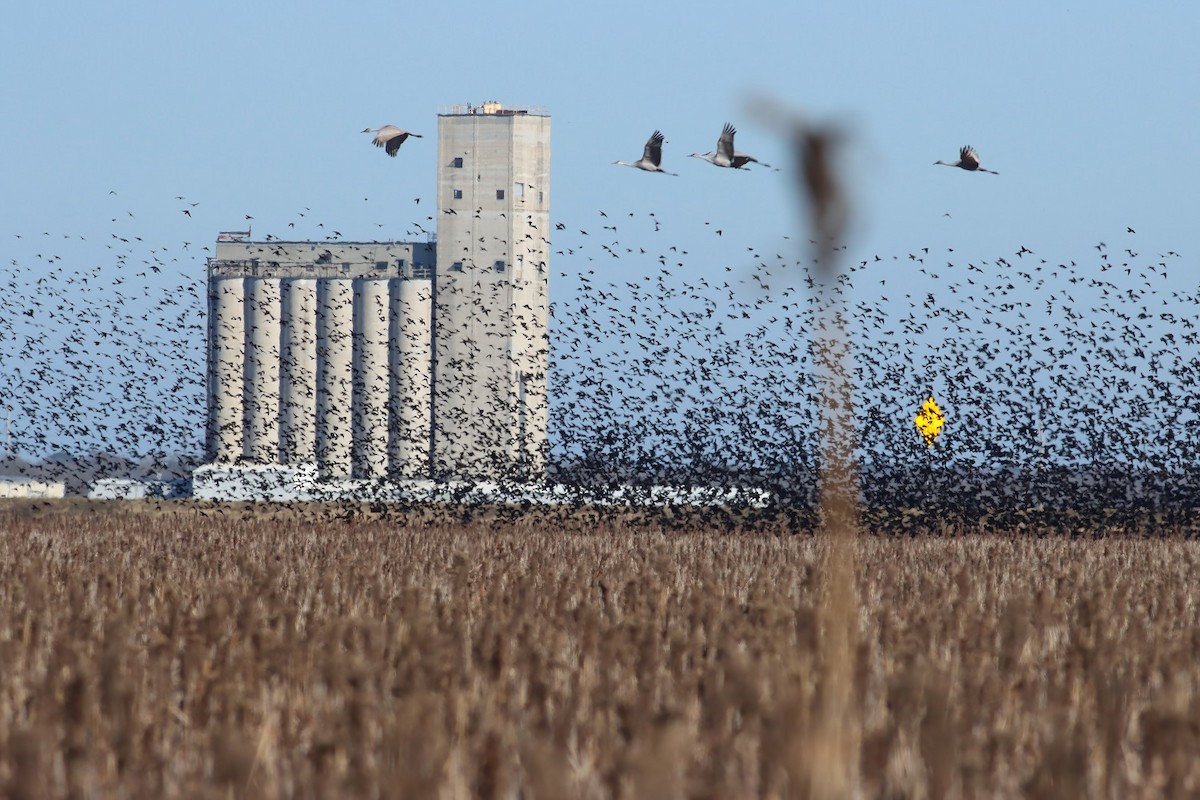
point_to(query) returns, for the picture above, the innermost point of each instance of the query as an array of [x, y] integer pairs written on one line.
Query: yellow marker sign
[[930, 421]]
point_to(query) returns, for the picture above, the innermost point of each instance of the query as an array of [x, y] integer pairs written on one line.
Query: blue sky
[[1087, 110]]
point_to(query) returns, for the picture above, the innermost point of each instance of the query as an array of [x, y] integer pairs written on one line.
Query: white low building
[[130, 489], [21, 487]]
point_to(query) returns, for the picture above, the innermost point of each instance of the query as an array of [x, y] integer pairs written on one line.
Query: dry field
[[230, 653]]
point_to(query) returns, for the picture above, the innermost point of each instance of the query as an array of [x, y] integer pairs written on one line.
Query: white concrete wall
[[228, 352], [372, 308], [335, 361], [411, 351], [298, 373]]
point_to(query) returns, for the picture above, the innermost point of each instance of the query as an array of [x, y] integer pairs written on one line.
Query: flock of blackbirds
[[1038, 365], [1056, 376]]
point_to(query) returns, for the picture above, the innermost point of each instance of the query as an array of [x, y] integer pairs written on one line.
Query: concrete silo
[[409, 421], [371, 381], [298, 372], [226, 353], [335, 360], [319, 354], [377, 360], [261, 365]]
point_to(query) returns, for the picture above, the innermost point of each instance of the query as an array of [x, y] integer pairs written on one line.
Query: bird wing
[[725, 143], [968, 157], [653, 151], [394, 143], [382, 137]]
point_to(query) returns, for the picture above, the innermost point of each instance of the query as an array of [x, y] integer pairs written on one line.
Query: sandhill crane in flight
[[968, 159], [390, 137], [651, 160], [726, 156]]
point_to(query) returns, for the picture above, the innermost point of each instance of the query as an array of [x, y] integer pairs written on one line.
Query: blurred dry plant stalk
[[834, 751]]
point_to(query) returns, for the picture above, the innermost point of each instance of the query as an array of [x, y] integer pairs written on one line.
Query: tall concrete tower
[[491, 309]]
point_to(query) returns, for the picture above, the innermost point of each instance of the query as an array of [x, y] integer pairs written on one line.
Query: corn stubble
[[172, 655]]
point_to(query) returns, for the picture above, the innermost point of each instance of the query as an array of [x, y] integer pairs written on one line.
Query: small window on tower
[[456, 267], [499, 266], [457, 163], [458, 194], [400, 263], [499, 194], [539, 198], [380, 265], [519, 190]]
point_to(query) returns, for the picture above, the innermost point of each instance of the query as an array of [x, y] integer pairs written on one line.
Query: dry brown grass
[[176, 655]]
